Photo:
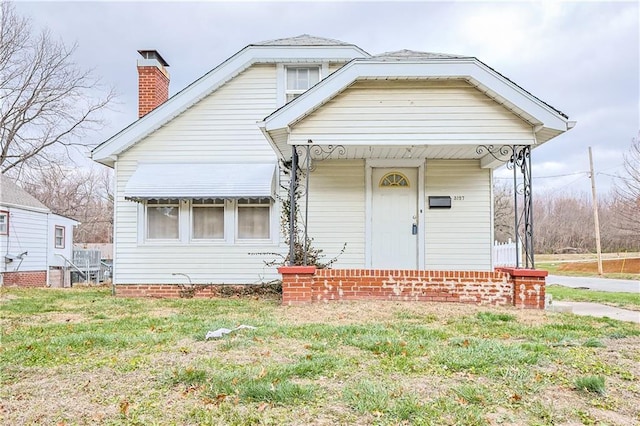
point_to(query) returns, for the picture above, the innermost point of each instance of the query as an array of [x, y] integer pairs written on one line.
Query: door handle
[[414, 229]]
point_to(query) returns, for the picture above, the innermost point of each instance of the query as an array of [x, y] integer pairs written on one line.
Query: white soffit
[[170, 180]]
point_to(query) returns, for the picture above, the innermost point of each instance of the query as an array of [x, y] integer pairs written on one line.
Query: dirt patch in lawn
[[5, 297], [622, 266], [62, 317], [163, 312], [341, 313]]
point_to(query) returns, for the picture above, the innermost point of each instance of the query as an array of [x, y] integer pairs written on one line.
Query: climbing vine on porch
[[314, 256]]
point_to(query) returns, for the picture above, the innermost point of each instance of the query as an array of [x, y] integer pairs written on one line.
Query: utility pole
[[595, 213]]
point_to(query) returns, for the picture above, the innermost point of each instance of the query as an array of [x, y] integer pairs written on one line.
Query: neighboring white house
[[33, 241], [395, 169]]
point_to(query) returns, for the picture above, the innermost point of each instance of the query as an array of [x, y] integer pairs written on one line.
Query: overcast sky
[[583, 58]]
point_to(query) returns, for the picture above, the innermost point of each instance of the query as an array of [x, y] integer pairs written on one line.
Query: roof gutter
[[272, 143]]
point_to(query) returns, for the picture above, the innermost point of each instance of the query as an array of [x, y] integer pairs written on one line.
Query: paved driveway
[[600, 284]]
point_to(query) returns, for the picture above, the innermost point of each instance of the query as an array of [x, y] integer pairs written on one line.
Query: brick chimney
[[153, 81]]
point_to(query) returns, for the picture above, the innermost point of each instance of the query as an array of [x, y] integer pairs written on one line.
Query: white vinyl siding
[[28, 232], [335, 66], [337, 211], [459, 237], [412, 113], [221, 128]]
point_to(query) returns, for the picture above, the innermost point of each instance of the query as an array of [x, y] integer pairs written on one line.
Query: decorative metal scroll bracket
[[313, 153], [502, 153], [518, 157]]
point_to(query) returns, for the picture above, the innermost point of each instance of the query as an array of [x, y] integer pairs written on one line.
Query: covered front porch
[[395, 157], [423, 225]]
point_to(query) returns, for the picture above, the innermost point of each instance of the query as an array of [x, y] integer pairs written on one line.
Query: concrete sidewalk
[[595, 310], [599, 284]]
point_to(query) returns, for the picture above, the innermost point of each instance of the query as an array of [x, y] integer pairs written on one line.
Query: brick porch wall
[[25, 279], [302, 284]]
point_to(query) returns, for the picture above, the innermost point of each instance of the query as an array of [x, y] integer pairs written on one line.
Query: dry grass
[[139, 362], [611, 266], [584, 256]]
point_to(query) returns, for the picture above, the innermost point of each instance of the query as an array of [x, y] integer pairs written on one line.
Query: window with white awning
[[194, 181], [200, 203]]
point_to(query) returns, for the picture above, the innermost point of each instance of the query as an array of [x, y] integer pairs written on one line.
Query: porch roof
[[546, 122]]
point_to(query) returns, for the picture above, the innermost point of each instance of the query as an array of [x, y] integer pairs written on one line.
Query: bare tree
[[503, 219], [627, 191], [46, 100], [84, 195]]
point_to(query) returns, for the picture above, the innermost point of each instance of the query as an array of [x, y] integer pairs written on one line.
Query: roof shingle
[[303, 40], [11, 193], [406, 54]]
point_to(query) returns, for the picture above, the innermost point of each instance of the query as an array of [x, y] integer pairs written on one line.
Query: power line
[[550, 176]]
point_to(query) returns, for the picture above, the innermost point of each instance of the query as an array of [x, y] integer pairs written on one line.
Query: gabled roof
[[303, 40], [407, 64], [421, 65], [322, 50], [12, 194]]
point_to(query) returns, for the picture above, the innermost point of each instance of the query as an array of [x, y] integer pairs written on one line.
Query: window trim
[[281, 85], [268, 207], [146, 220], [5, 213], [231, 237], [297, 92], [222, 205], [55, 236]]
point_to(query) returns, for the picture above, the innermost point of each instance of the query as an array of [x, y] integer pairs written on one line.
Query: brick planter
[[528, 287], [296, 283], [522, 288]]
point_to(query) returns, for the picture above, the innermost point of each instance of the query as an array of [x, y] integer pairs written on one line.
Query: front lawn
[[81, 356]]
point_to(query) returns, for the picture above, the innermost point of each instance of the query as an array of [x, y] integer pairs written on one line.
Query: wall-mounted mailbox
[[439, 202]]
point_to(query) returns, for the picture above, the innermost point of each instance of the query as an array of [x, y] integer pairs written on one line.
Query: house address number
[[458, 198]]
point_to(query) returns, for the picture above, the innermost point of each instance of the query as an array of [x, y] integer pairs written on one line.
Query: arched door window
[[394, 179]]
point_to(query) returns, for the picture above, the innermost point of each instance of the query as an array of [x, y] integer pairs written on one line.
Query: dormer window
[[300, 79]]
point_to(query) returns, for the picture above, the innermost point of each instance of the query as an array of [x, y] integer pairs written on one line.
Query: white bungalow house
[[399, 147], [34, 242]]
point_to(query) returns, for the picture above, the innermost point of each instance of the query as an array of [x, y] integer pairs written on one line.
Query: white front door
[[394, 218]]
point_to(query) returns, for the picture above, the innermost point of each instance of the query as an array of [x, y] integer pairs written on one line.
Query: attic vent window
[[300, 79], [394, 179]]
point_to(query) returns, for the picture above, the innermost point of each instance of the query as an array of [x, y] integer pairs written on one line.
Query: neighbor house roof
[[12, 194]]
